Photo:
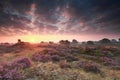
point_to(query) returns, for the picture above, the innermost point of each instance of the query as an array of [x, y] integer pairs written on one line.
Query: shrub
[[108, 61], [90, 57], [110, 54], [115, 67], [12, 74], [88, 51], [89, 66], [97, 53], [64, 64], [41, 57], [71, 58], [49, 52], [13, 70], [9, 72], [92, 67], [55, 58], [107, 53], [23, 63]]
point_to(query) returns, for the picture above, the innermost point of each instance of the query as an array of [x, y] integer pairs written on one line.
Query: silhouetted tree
[[114, 40], [42, 42], [64, 42], [105, 41], [90, 42], [1, 6], [83, 43], [74, 41], [119, 39], [61, 41], [50, 42], [19, 41]]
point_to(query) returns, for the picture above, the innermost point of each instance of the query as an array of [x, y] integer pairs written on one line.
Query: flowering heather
[[12, 70], [107, 53], [88, 51], [55, 58], [41, 57], [90, 57], [71, 58], [22, 63], [89, 66], [49, 52], [108, 61], [13, 74], [104, 52], [10, 73]]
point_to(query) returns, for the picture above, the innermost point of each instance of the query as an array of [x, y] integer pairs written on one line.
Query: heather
[[13, 70], [53, 61]]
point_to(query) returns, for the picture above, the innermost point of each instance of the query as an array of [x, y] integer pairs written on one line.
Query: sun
[[32, 40]]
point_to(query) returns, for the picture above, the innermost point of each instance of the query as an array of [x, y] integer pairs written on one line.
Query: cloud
[[59, 16]]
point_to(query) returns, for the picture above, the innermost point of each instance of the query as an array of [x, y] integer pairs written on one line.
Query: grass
[[52, 70]]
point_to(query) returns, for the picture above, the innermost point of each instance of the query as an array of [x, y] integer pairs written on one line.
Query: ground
[[61, 62]]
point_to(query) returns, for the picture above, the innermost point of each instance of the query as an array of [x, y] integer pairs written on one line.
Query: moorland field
[[59, 61]]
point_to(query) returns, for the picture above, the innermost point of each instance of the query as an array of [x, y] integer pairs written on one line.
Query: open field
[[59, 39], [50, 61]]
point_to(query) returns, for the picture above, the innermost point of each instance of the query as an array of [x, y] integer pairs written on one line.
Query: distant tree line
[[102, 41]]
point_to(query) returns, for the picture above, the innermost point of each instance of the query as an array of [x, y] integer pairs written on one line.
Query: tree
[[1, 7], [74, 41], [61, 41], [19, 41], [119, 39], [105, 41], [50, 42], [90, 42], [114, 40], [64, 42]]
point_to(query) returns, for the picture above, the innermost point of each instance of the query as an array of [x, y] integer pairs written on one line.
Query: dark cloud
[[60, 16]]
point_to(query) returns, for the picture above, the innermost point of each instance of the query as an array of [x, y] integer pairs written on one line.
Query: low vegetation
[[50, 61]]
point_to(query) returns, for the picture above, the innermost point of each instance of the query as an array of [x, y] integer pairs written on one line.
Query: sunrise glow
[[35, 38], [59, 39], [44, 20]]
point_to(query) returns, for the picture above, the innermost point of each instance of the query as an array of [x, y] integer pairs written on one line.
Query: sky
[[53, 20]]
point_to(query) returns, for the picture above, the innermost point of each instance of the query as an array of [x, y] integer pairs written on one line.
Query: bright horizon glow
[[55, 38]]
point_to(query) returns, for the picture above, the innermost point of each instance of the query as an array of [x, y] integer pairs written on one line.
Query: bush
[[110, 54], [108, 61], [92, 67], [97, 53], [115, 67], [71, 58], [55, 58], [88, 51], [23, 63], [9, 72], [90, 57], [41, 57], [107, 53], [13, 70], [89, 66], [49, 52], [64, 64]]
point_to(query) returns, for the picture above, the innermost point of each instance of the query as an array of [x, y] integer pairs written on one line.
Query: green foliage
[[110, 54], [97, 53]]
